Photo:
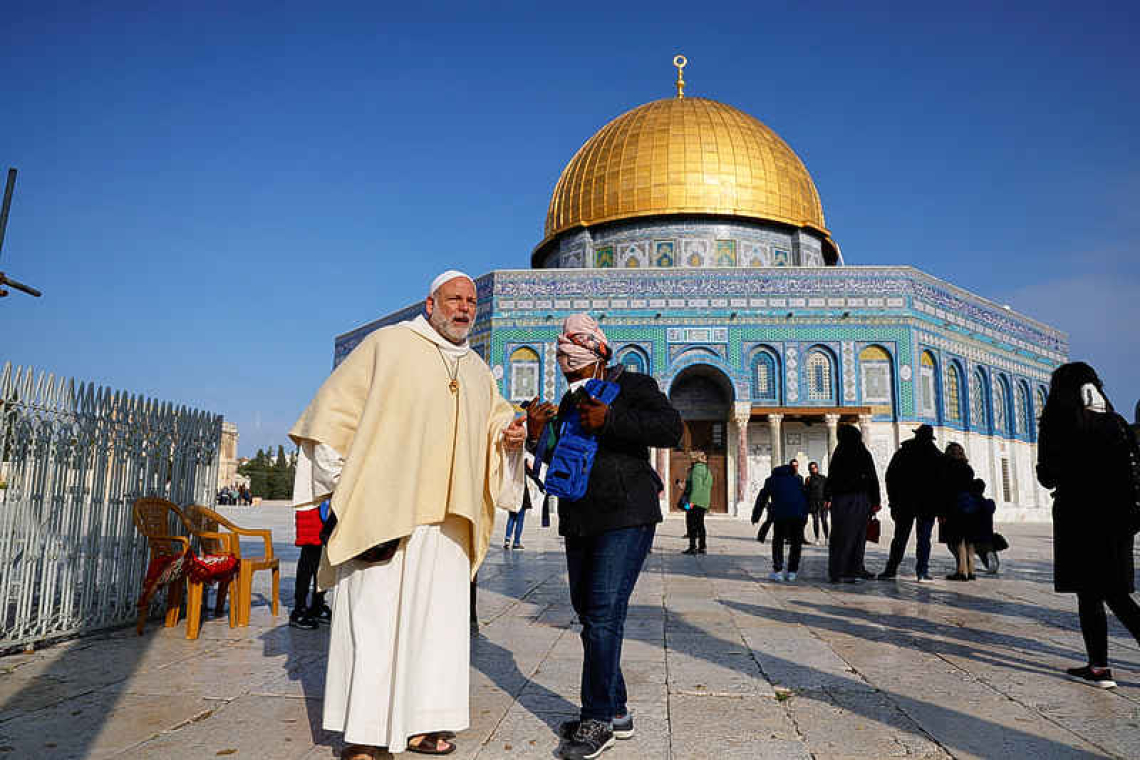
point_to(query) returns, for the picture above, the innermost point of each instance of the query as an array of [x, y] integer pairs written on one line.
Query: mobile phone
[[580, 396]]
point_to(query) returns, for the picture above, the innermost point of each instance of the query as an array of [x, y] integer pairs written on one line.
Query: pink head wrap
[[581, 343]]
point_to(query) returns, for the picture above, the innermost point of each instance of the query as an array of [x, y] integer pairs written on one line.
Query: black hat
[[924, 433]]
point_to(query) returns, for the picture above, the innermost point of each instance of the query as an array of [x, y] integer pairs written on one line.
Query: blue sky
[[209, 192]]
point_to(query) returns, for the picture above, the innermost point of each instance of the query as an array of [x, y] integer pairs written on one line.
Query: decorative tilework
[[695, 253], [755, 254], [663, 253], [634, 255], [849, 385], [781, 258], [604, 257], [697, 335], [792, 374], [726, 253]]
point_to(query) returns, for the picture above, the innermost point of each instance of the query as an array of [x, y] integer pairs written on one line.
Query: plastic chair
[[172, 559], [247, 566]]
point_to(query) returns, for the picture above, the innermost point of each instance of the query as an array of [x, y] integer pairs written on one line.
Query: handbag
[[874, 530], [379, 553], [568, 473]]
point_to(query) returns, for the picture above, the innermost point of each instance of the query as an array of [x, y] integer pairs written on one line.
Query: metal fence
[[74, 457]]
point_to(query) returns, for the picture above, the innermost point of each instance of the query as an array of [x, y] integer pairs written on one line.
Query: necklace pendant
[[453, 386]]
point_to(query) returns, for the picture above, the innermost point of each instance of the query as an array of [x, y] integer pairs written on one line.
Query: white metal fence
[[74, 458]]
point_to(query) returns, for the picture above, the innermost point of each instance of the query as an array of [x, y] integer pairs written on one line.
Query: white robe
[[399, 651]]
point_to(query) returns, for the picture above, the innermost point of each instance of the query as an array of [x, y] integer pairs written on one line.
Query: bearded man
[[413, 440]]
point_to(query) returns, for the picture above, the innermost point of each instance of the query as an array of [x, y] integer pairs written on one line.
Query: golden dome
[[684, 156]]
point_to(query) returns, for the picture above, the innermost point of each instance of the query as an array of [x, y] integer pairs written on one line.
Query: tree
[[271, 477]]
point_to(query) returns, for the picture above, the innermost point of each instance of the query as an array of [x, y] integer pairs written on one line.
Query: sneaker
[[303, 621], [507, 545], [925, 578], [322, 614], [957, 577], [518, 547], [622, 728], [775, 575], [994, 565], [592, 738], [701, 550], [690, 550], [1100, 677], [790, 577], [887, 575]]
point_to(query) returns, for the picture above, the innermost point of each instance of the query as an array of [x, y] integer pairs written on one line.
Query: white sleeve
[[318, 470]]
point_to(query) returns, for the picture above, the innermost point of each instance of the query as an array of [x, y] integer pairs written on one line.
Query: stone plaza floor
[[720, 663]]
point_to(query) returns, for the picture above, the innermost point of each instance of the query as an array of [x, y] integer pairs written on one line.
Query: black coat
[[852, 471], [955, 480], [1092, 503], [623, 488], [815, 488], [912, 479]]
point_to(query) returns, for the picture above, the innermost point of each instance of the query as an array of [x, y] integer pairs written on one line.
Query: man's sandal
[[435, 743]]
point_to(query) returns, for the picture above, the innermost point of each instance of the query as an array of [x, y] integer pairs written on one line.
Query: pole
[[8, 188]]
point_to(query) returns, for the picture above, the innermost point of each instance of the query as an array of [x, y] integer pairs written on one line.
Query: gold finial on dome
[[680, 62]]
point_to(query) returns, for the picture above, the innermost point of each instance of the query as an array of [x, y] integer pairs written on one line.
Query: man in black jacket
[[913, 478], [610, 529]]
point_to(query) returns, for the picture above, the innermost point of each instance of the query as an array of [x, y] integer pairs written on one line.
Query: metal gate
[[74, 457]]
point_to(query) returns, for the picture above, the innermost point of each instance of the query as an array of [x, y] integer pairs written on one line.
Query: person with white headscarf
[[610, 529], [416, 446]]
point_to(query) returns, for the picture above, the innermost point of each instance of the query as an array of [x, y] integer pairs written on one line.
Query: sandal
[[434, 741], [360, 752]]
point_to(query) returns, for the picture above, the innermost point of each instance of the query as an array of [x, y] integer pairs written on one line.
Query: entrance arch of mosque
[[703, 395]]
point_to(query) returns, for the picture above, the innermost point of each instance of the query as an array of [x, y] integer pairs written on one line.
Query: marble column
[[832, 422], [865, 427], [775, 427], [742, 412]]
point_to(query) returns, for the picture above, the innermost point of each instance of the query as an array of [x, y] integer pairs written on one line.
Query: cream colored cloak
[[414, 451]]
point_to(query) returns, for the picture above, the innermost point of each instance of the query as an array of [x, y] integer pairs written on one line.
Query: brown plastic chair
[[214, 542], [152, 518], [247, 565]]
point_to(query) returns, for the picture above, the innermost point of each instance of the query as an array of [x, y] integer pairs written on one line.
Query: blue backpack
[[568, 472]]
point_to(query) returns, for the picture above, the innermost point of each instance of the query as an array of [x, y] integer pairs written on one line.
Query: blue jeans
[[921, 540], [515, 522], [603, 570]]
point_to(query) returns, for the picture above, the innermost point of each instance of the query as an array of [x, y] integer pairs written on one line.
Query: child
[[309, 521], [983, 527]]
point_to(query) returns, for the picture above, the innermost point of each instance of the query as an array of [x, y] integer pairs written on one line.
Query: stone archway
[[703, 395]]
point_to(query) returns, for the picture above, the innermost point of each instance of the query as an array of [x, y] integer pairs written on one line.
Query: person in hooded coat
[[912, 494], [853, 496], [1094, 518], [783, 495]]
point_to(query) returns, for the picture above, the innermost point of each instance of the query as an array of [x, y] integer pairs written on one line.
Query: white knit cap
[[447, 276]]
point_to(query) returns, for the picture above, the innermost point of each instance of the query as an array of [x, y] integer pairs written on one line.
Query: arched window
[[1039, 407], [820, 376], [1022, 421], [634, 360], [764, 377], [875, 375], [1001, 407], [927, 387], [979, 411], [954, 393], [525, 373]]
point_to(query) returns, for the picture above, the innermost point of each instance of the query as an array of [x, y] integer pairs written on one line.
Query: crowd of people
[[236, 494], [397, 526]]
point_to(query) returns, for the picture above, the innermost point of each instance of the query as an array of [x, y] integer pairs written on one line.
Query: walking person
[[955, 515], [531, 492], [413, 440], [783, 495], [608, 530], [698, 495], [814, 488], [912, 493], [1087, 455], [852, 493], [762, 534]]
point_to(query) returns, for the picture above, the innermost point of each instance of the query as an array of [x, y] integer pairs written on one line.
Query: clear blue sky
[[210, 192]]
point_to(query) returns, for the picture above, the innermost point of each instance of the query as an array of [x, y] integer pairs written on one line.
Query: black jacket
[[912, 479], [816, 488], [623, 488], [957, 474], [1092, 504], [852, 468]]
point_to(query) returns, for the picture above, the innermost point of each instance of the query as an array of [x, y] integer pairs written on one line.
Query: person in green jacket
[[698, 494]]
